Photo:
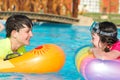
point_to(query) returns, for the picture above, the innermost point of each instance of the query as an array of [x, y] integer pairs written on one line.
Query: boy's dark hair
[[16, 22]]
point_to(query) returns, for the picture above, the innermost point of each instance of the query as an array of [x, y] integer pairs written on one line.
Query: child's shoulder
[[116, 46], [118, 42]]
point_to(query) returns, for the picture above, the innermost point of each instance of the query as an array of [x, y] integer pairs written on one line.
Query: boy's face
[[24, 35]]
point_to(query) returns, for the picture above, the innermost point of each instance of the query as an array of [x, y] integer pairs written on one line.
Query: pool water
[[68, 37]]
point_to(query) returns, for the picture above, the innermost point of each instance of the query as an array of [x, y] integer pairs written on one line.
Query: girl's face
[[24, 35], [96, 40]]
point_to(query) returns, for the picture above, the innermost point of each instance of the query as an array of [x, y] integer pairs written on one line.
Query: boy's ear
[[14, 33]]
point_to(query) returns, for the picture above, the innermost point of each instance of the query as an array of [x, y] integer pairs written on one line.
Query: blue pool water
[[68, 37]]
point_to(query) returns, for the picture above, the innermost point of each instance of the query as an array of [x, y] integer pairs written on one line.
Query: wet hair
[[17, 22], [107, 32]]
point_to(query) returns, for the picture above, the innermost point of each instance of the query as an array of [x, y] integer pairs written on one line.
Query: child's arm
[[98, 53], [1, 27]]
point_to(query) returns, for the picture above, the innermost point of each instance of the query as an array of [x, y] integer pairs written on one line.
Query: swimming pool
[[68, 37]]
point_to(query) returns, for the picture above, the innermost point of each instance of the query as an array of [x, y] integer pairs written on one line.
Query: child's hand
[[1, 27]]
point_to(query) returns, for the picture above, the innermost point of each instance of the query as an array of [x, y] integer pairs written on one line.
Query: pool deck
[[84, 21]]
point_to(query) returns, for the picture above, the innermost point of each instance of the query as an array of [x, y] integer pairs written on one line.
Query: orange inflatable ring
[[43, 59]]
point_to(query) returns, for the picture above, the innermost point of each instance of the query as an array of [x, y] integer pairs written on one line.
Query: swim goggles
[[95, 29]]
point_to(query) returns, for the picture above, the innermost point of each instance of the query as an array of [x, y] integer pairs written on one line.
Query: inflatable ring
[[43, 59], [96, 69]]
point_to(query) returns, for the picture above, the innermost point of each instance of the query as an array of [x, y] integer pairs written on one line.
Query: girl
[[105, 41]]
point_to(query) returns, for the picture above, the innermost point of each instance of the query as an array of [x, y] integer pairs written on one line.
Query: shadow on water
[[20, 76], [52, 24]]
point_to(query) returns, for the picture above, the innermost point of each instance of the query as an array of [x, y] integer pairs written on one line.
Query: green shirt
[[5, 48]]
